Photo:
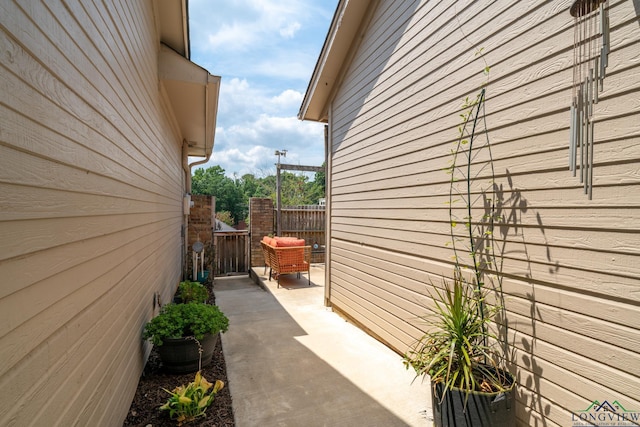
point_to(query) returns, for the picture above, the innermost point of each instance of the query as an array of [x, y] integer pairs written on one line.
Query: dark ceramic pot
[[459, 408], [181, 356]]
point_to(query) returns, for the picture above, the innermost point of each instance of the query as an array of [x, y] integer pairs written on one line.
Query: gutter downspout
[[328, 167], [185, 208], [208, 156]]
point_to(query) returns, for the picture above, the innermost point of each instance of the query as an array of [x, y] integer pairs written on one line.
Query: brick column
[[260, 225], [201, 219], [201, 223]]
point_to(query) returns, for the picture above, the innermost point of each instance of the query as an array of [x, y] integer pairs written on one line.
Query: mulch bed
[[150, 394]]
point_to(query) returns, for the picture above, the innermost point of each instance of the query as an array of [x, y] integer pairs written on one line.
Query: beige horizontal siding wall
[[90, 207], [571, 265]]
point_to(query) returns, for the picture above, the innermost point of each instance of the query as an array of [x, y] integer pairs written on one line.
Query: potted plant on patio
[[458, 353], [186, 335], [468, 387]]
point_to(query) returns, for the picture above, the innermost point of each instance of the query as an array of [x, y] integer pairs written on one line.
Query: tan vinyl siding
[[91, 191], [571, 265]]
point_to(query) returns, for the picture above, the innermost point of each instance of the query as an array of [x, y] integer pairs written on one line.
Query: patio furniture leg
[[269, 273]]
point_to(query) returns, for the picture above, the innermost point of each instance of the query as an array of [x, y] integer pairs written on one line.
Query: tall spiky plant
[[456, 351]]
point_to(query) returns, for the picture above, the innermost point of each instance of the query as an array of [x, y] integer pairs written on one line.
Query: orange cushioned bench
[[286, 255]]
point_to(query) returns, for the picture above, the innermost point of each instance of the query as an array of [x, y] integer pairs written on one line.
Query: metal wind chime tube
[[590, 59]]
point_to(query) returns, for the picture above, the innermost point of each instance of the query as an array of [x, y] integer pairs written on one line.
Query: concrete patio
[[293, 362]]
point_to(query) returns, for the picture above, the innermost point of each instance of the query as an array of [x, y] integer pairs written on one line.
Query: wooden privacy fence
[[308, 223], [231, 249]]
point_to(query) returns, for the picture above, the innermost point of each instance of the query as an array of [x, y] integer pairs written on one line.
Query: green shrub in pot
[[464, 360], [185, 320], [189, 291], [455, 351]]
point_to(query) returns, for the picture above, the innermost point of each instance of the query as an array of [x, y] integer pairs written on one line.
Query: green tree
[[225, 216], [228, 192], [233, 194], [315, 190], [256, 187]]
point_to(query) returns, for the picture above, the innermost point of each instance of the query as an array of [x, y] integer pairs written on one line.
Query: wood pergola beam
[[300, 168]]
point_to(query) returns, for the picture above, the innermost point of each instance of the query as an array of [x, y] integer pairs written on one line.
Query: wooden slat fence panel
[[231, 249], [308, 223]]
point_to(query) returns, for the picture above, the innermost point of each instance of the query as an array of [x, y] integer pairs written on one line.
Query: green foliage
[[191, 401], [184, 320], [225, 216], [228, 192], [192, 292], [471, 163], [296, 189], [233, 194], [454, 351]]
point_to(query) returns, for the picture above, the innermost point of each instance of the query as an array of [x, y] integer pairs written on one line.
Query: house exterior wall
[[570, 265], [91, 190]]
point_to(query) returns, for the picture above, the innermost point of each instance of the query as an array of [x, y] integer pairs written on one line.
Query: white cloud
[[265, 51], [239, 99], [249, 147], [245, 25], [290, 30], [288, 99], [232, 37]]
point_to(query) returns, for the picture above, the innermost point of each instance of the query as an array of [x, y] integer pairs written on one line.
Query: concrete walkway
[[293, 362]]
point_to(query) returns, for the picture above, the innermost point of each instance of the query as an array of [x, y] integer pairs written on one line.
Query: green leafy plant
[[189, 291], [185, 320], [191, 401], [454, 351]]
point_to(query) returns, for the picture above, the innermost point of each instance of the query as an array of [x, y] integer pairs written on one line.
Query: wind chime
[[590, 58]]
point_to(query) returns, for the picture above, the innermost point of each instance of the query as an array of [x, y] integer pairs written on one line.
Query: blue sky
[[265, 52]]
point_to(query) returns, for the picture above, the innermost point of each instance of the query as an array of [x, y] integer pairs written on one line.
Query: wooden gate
[[231, 252]]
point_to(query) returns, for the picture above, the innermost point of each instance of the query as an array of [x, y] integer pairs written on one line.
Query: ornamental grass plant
[[455, 350]]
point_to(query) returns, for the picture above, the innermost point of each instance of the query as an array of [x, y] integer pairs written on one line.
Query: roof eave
[[192, 91], [193, 94], [343, 32]]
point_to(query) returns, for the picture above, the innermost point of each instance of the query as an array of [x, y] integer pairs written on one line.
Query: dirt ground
[[150, 394]]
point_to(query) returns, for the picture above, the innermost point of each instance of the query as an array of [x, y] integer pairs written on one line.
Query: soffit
[[193, 94], [174, 25], [191, 90]]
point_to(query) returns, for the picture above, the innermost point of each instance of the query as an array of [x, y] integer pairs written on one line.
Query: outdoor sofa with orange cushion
[[286, 255]]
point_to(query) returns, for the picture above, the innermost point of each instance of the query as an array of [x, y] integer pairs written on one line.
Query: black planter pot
[[181, 356], [474, 409]]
